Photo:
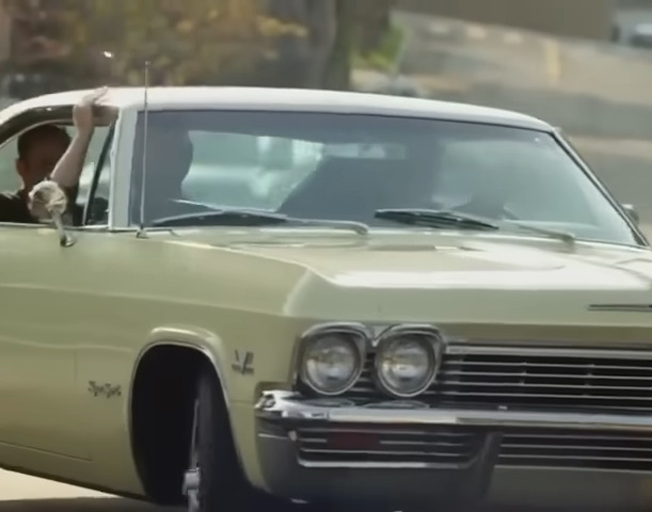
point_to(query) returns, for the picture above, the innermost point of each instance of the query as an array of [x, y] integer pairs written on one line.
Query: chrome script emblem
[[107, 390]]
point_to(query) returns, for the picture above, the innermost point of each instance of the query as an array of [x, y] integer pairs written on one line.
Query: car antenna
[[143, 175]]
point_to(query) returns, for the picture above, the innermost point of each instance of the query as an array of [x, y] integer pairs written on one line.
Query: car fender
[[204, 341]]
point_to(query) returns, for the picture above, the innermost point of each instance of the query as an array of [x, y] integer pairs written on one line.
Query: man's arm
[[68, 169]]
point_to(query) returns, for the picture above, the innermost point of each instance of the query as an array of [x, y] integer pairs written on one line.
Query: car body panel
[[264, 293], [296, 100], [409, 267], [104, 348]]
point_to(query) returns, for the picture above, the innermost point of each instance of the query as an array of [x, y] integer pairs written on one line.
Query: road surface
[[20, 493]]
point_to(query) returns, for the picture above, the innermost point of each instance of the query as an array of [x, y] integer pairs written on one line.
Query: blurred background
[[583, 65]]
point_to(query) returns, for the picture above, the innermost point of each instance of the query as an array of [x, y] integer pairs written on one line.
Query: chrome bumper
[[282, 415], [288, 407]]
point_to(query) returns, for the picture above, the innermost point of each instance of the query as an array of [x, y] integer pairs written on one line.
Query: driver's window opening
[[13, 181]]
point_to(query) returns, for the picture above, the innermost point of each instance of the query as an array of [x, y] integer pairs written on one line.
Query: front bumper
[[406, 452]]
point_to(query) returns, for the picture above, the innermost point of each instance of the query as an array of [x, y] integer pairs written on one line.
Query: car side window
[[100, 136], [236, 170], [9, 180], [96, 180], [359, 150]]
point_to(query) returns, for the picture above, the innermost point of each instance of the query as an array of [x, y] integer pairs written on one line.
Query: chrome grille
[[535, 379], [386, 445], [576, 449]]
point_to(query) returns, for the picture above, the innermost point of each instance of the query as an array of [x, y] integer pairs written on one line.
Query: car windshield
[[348, 167]]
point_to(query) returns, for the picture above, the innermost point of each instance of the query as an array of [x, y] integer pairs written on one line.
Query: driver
[[47, 151], [39, 149], [170, 154]]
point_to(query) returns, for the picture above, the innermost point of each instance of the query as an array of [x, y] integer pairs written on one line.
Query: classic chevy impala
[[408, 302]]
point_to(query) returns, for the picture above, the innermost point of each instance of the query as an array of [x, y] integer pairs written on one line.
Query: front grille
[[520, 447], [387, 445], [535, 379], [576, 449]]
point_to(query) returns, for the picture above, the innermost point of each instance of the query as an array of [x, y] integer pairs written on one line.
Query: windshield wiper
[[252, 217], [566, 237], [434, 218]]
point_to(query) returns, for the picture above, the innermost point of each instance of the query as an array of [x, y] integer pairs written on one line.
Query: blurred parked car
[[641, 35]]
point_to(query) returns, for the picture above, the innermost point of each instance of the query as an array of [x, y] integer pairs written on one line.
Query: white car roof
[[284, 99]]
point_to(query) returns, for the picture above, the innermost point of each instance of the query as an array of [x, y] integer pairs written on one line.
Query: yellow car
[[441, 306]]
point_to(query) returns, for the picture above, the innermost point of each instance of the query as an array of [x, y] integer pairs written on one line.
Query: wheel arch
[[205, 345]]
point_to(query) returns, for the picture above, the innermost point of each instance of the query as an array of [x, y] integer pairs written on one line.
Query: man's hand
[[69, 167], [82, 113]]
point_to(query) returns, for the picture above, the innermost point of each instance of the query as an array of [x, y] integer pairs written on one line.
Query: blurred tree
[[338, 67], [295, 43], [372, 21], [363, 28], [187, 43], [302, 60]]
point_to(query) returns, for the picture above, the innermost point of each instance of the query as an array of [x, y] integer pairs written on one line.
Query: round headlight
[[406, 365], [331, 363]]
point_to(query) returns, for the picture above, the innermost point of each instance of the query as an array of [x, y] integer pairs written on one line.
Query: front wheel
[[215, 481]]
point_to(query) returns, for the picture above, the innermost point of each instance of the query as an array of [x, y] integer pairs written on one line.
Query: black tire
[[220, 483]]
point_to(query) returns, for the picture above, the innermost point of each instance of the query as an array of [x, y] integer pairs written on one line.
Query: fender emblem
[[244, 364]]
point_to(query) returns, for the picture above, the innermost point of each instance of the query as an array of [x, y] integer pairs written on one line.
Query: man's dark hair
[[31, 137]]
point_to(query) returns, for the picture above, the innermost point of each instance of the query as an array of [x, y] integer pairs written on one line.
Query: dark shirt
[[13, 208]]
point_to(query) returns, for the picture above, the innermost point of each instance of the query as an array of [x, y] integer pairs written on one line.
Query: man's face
[[40, 159]]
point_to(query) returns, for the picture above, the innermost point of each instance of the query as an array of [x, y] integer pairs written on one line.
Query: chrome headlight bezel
[[355, 334], [431, 340]]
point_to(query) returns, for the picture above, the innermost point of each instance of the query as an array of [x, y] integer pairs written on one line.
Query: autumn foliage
[[185, 41]]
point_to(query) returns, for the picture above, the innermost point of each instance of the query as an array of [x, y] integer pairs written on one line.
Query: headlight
[[406, 363], [332, 362]]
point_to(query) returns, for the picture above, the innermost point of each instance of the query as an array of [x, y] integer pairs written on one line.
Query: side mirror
[[631, 212], [48, 204]]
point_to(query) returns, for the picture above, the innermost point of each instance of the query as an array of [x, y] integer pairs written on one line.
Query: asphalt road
[[19, 493]]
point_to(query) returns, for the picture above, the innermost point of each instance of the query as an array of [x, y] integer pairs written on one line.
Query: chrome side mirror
[[48, 204], [631, 212]]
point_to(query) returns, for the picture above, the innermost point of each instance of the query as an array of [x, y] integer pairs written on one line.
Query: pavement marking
[[552, 57]]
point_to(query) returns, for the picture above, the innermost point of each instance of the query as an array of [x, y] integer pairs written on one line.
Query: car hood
[[490, 278], [465, 265]]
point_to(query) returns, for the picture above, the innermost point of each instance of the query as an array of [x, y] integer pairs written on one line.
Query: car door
[[40, 392]]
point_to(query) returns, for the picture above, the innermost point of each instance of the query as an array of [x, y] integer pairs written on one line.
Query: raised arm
[[68, 169]]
